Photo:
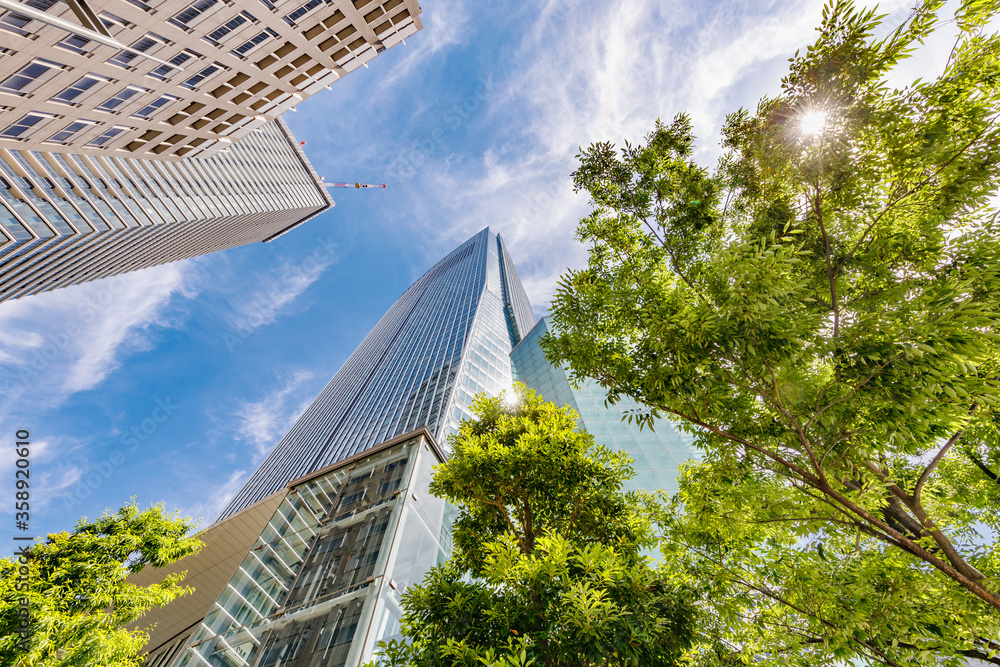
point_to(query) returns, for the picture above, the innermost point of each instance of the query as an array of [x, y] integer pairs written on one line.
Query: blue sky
[[171, 384]]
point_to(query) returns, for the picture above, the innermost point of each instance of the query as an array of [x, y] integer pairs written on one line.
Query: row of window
[[39, 70], [198, 189], [34, 121], [16, 23], [33, 74], [48, 182]]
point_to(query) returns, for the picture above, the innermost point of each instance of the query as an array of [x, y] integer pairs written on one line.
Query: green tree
[[76, 594], [548, 567], [821, 311]]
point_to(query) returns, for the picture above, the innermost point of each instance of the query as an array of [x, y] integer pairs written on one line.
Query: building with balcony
[[170, 79]]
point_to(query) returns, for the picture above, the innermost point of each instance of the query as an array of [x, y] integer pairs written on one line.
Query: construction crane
[[355, 185]]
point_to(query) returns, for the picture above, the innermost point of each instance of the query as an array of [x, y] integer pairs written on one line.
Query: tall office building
[[68, 219], [445, 339], [169, 79]]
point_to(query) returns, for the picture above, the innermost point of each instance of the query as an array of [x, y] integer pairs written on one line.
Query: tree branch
[[940, 455], [831, 274], [982, 466]]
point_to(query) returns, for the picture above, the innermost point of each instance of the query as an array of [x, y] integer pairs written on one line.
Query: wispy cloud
[[258, 301], [205, 511], [262, 423], [278, 291], [257, 425], [58, 343]]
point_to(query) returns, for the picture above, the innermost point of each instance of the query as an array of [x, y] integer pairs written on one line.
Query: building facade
[[312, 575], [445, 339], [68, 219], [657, 454], [174, 78]]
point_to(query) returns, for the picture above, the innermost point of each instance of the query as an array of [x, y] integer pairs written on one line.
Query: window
[[97, 142], [248, 46], [121, 98], [162, 72], [15, 22], [26, 125], [216, 35], [147, 43], [153, 106], [79, 90], [76, 128], [75, 43], [290, 19], [183, 18], [114, 23], [29, 76], [202, 75], [141, 5]]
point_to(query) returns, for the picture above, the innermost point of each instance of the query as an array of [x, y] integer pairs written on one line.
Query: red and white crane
[[354, 185]]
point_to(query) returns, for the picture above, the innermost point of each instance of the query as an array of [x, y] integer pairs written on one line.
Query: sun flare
[[813, 122]]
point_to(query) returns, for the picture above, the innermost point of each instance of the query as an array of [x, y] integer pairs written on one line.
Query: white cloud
[[279, 290], [58, 343], [55, 344], [208, 509], [263, 422], [260, 424]]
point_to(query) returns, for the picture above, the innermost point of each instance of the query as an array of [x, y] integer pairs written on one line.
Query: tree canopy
[[820, 310], [75, 590], [548, 565]]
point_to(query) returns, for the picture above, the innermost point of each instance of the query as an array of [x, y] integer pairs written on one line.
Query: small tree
[[548, 567], [821, 311], [74, 589]]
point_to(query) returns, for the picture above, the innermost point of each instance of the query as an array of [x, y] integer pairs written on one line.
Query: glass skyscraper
[[657, 454], [68, 219], [445, 339]]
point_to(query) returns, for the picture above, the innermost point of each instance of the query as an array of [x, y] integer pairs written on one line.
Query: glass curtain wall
[[657, 454], [322, 584]]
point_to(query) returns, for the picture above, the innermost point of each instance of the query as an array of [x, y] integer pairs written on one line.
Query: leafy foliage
[[75, 588], [820, 310], [548, 567]]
